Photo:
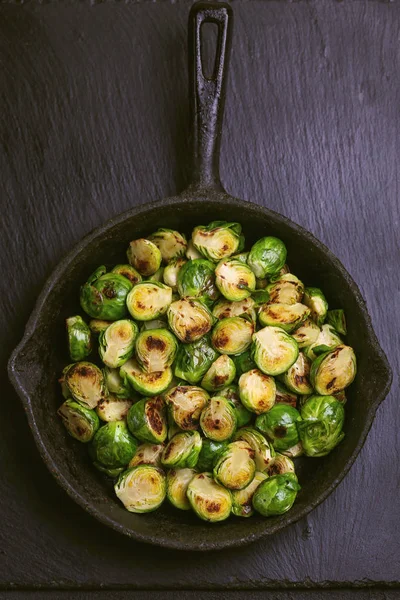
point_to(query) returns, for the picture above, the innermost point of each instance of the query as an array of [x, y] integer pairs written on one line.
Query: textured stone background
[[93, 119]]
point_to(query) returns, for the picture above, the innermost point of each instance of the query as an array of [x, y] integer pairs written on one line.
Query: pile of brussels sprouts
[[217, 368]]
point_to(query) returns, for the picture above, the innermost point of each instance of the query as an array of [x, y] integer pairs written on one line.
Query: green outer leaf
[[193, 360], [267, 256], [113, 473], [314, 298], [209, 453], [280, 426], [196, 279], [276, 495], [105, 297], [79, 338], [337, 319], [147, 420], [321, 428], [113, 446]]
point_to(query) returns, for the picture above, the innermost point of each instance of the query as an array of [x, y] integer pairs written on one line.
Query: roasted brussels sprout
[[235, 467], [243, 363], [177, 485], [267, 257], [96, 326], [235, 280], [257, 391], [284, 396], [155, 349], [144, 256], [221, 373], [233, 335], [337, 319], [193, 360], [147, 420], [113, 446], [274, 350], [327, 337], [171, 244], [147, 384], [113, 408], [147, 454], [85, 383], [171, 272], [287, 289], [218, 240], [224, 309], [242, 499], [109, 471], [189, 319], [280, 465], [104, 295], [263, 450], [296, 378], [79, 338], [116, 385], [158, 276], [276, 495], [280, 426], [149, 300], [315, 299], [182, 451], [80, 422], [333, 371], [141, 489], [129, 272], [243, 415], [117, 343], [286, 316], [218, 419], [209, 453], [185, 403], [306, 334], [196, 279], [209, 500], [321, 428], [191, 252]]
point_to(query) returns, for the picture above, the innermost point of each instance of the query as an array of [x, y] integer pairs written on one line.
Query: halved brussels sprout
[[113, 446], [306, 334], [182, 451], [321, 428], [209, 500], [267, 257], [155, 349], [315, 299], [326, 337], [80, 422], [337, 319], [129, 272], [116, 385], [171, 244], [280, 465], [171, 272], [117, 343], [235, 280], [185, 403], [177, 485], [333, 371], [79, 338], [147, 454], [191, 252], [257, 391], [280, 426], [209, 453], [144, 256], [141, 489], [274, 350], [243, 415], [224, 309], [193, 360], [242, 499], [294, 451], [189, 319], [85, 383], [196, 279], [296, 378], [276, 495], [109, 471], [149, 300], [218, 419], [221, 373], [113, 408], [287, 289], [243, 363], [286, 316], [284, 396], [147, 384], [96, 326], [147, 420], [235, 468], [263, 450], [104, 295], [233, 335], [218, 240]]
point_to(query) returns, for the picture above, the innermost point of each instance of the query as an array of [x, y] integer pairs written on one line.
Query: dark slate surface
[[94, 119]]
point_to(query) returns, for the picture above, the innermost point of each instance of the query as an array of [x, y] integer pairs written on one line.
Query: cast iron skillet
[[37, 362]]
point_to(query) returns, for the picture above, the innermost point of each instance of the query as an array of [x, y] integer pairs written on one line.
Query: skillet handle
[[207, 95]]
